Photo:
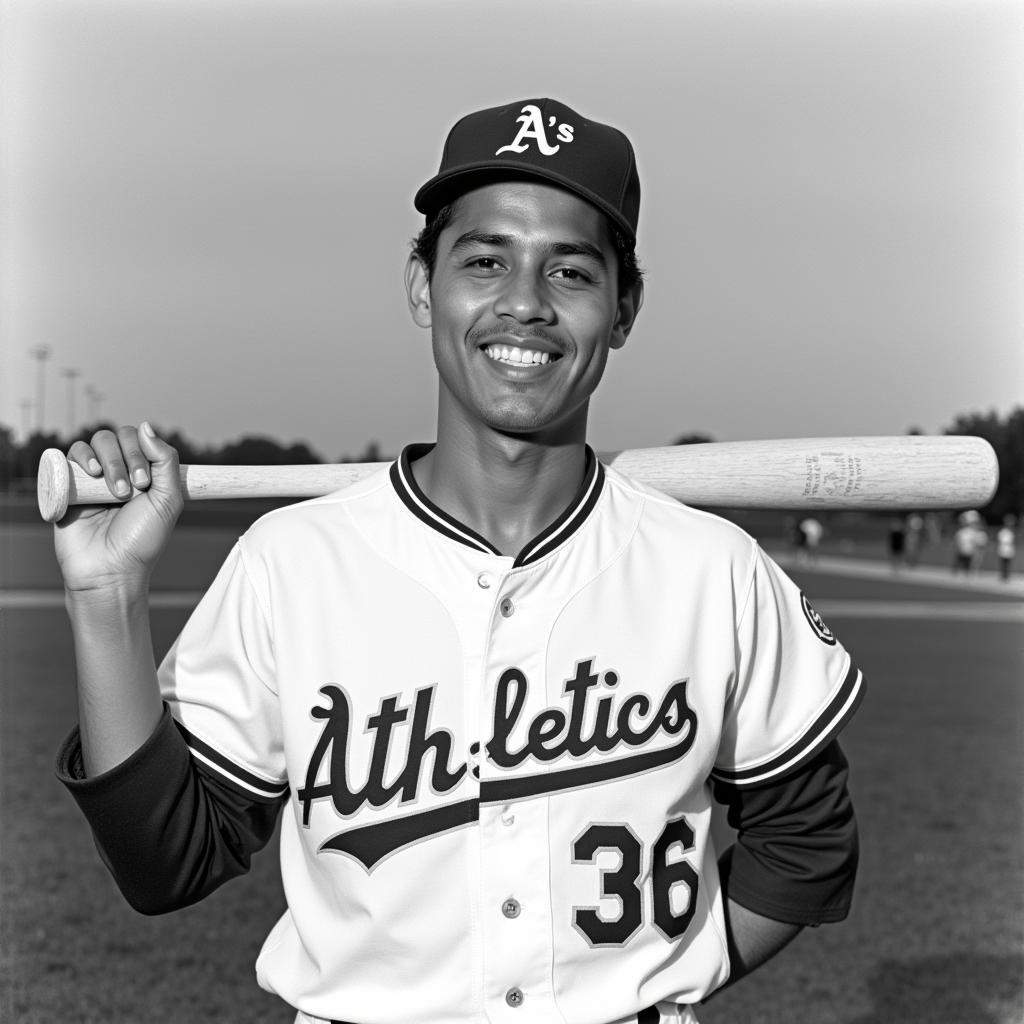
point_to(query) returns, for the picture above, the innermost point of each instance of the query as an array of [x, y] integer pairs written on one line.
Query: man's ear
[[625, 316], [417, 288]]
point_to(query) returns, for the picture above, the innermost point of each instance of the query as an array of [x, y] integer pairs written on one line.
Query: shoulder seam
[[667, 501], [264, 611], [748, 589], [657, 497]]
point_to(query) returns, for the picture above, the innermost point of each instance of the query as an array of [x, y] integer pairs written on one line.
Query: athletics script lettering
[[408, 749]]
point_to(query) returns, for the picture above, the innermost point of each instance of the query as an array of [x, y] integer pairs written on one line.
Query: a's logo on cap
[[531, 126], [817, 623]]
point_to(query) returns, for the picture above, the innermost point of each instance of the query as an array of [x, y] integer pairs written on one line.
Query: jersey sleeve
[[218, 679], [795, 686], [169, 829]]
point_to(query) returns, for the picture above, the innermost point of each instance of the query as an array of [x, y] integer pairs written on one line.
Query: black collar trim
[[577, 513]]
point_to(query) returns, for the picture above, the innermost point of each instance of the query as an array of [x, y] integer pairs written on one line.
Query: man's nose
[[525, 297]]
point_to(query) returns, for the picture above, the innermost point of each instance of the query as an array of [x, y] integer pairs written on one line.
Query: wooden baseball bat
[[825, 473]]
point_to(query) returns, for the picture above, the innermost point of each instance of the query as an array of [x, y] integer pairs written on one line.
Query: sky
[[207, 207]]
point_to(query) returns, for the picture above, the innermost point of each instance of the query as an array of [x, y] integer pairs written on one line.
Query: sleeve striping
[[252, 784], [824, 729]]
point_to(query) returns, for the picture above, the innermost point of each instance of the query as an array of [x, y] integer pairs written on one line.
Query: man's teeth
[[507, 354]]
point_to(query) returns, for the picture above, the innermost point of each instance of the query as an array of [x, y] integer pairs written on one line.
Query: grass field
[[937, 931]]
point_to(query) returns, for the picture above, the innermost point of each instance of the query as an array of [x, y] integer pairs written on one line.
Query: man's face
[[523, 308]]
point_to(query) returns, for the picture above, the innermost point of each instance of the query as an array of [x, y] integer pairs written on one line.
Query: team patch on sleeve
[[817, 623], [820, 732]]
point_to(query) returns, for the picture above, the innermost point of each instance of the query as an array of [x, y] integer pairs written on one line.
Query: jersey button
[[514, 997], [511, 908], [484, 580], [507, 607]]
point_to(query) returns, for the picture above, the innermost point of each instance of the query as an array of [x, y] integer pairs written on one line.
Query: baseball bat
[[825, 473]]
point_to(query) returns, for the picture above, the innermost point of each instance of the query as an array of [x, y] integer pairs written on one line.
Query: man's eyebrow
[[475, 238], [471, 239], [579, 249]]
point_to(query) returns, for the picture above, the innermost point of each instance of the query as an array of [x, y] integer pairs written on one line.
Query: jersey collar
[[574, 516]]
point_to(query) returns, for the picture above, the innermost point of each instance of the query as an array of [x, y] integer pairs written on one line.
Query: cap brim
[[449, 185]]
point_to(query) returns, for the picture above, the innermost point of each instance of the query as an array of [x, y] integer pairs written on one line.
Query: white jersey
[[499, 768], [1005, 542], [966, 540], [812, 531]]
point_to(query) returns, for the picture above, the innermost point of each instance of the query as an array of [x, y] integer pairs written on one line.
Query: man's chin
[[536, 426], [518, 419]]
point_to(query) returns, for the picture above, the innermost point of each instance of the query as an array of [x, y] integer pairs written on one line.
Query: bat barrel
[[828, 473]]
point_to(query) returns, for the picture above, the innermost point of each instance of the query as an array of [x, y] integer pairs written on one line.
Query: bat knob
[[53, 485]]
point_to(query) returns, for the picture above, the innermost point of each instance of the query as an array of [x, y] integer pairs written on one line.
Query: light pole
[[40, 353], [26, 409], [71, 374], [95, 402]]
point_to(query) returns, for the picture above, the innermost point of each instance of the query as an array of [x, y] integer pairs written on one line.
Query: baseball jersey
[[498, 768]]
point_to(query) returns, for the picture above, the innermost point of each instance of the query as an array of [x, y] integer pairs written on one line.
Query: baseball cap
[[539, 138]]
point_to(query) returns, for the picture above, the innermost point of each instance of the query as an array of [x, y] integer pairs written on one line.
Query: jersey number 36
[[623, 882]]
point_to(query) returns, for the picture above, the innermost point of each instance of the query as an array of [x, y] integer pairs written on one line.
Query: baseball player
[[491, 690]]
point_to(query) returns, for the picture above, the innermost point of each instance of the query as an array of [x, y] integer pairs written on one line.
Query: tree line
[[18, 461], [1006, 435]]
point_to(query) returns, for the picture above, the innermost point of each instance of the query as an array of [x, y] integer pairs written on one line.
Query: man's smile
[[511, 347], [515, 356]]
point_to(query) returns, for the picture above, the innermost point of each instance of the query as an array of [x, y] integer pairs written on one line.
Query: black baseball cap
[[539, 138]]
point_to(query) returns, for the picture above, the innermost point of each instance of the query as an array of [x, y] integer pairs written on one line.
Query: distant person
[[897, 541], [980, 544], [915, 539], [812, 531], [793, 534], [1006, 546], [965, 543]]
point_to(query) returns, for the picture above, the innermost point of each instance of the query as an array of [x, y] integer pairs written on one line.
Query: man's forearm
[[753, 939], [119, 702]]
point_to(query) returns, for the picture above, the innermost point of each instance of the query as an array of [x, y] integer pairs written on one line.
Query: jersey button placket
[[516, 926]]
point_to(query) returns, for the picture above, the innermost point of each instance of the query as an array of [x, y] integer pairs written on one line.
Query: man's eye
[[484, 262], [572, 274]]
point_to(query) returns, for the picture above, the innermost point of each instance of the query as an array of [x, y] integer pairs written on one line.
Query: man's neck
[[507, 489]]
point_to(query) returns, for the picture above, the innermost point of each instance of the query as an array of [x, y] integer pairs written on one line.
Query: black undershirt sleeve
[[169, 829], [796, 850]]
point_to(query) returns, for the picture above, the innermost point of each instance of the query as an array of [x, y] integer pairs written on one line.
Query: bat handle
[[61, 483]]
